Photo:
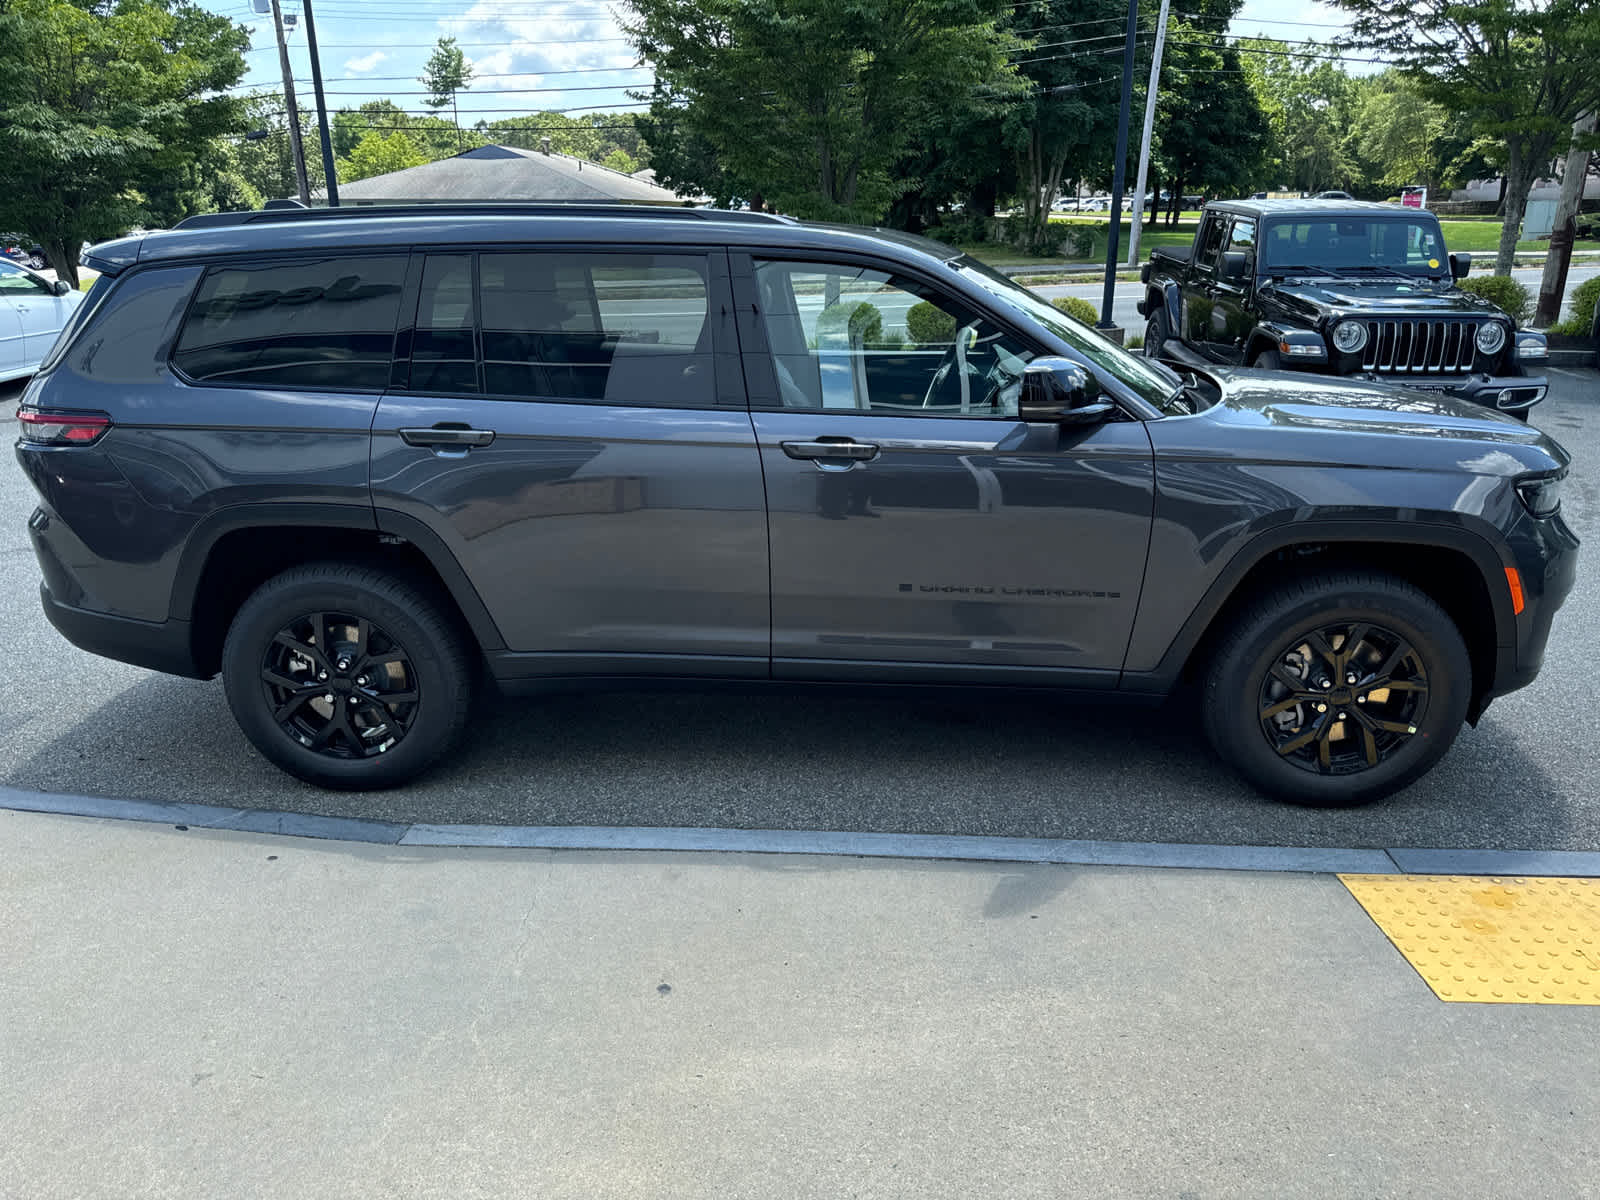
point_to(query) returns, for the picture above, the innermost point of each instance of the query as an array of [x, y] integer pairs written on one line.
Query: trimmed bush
[[862, 321], [1078, 309], [1503, 292], [929, 325], [1581, 321]]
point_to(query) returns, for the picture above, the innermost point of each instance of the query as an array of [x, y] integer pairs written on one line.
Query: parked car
[[23, 250], [1337, 287], [1333, 195], [33, 311], [358, 459]]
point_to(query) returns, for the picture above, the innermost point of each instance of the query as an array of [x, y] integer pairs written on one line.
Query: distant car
[[1333, 196], [32, 312], [23, 250]]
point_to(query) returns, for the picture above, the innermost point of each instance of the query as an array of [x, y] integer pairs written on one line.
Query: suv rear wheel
[[1337, 689], [347, 677]]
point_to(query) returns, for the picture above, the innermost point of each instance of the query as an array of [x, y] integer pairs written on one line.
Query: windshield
[[1356, 245], [1144, 377]]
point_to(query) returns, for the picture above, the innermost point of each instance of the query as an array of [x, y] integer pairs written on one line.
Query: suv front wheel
[[1337, 689], [347, 677]]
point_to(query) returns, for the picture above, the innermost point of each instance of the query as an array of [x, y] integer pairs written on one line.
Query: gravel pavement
[[1527, 778]]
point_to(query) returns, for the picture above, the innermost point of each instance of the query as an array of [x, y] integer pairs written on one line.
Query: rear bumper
[[158, 645]]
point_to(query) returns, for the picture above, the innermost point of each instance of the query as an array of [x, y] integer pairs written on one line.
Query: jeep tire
[[347, 676], [1295, 697]]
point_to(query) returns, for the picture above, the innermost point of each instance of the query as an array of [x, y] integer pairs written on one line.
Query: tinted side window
[[324, 324], [443, 353], [1210, 241], [612, 328]]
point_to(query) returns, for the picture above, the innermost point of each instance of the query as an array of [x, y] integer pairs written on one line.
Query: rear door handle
[[447, 435], [831, 448]]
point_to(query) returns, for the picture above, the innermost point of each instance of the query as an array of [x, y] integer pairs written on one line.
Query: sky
[[535, 55]]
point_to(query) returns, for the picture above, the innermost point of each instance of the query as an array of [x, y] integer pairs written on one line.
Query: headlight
[[1491, 336], [1349, 336], [1542, 496]]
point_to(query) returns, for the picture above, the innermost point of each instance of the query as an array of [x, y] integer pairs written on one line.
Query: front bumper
[[1508, 393], [1546, 556]]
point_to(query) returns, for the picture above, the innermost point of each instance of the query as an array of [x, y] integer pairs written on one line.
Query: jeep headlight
[[1542, 495], [1491, 336], [1349, 336]]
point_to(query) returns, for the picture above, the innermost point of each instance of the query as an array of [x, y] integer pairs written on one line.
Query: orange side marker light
[[1514, 581]]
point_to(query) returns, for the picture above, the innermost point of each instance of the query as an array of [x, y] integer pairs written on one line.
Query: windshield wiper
[[1301, 269]]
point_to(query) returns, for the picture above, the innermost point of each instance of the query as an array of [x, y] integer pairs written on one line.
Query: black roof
[[1321, 208], [215, 235]]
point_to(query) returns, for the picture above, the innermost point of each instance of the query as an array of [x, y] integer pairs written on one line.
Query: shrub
[[1077, 308], [931, 326], [862, 321], [1503, 292], [1584, 300], [1134, 341]]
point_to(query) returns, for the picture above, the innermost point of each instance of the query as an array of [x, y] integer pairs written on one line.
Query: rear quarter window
[[323, 324]]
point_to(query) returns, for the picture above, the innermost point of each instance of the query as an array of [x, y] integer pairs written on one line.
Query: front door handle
[[831, 448], [447, 435]]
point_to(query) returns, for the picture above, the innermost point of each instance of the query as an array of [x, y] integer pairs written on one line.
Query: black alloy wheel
[[1343, 698], [1337, 687], [348, 676], [340, 685]]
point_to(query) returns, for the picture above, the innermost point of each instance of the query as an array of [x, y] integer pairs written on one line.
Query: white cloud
[[365, 63]]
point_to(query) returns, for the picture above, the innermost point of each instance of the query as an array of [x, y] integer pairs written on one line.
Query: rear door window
[[325, 324], [609, 328]]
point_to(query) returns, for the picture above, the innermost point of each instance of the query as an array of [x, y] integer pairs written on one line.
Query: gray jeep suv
[[360, 461]]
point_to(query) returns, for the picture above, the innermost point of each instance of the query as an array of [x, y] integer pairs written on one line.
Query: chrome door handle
[[831, 448], [445, 435]]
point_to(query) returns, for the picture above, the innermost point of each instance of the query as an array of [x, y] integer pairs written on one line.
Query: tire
[[1156, 334], [38, 262], [1417, 719], [1267, 360], [401, 682]]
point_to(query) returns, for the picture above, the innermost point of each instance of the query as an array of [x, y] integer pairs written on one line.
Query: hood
[[1290, 400], [1410, 297]]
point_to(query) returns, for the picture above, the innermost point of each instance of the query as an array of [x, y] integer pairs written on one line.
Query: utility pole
[[328, 172], [1554, 282], [293, 110], [1137, 215], [1119, 169]]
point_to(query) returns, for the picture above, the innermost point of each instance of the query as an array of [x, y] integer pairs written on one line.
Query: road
[[1527, 777]]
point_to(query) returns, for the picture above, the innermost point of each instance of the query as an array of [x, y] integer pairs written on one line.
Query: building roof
[[489, 173]]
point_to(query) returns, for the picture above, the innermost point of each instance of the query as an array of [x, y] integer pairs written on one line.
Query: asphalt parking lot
[[1527, 778]]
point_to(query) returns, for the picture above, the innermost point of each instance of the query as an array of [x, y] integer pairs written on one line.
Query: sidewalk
[[209, 1013]]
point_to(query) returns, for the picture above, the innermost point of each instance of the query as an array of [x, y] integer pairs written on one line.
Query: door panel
[[971, 543], [595, 473], [12, 355], [42, 319]]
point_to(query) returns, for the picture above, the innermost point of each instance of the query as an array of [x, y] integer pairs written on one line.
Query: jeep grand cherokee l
[[360, 460]]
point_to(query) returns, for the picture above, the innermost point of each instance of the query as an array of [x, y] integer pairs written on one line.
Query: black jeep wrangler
[[1338, 287]]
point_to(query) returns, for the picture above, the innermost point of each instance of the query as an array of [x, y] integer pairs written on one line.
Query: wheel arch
[[1458, 569], [236, 550]]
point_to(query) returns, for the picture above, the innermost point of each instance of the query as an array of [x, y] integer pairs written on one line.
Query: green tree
[[379, 154], [1398, 134], [1306, 100], [1525, 69], [446, 73], [100, 102], [808, 102], [266, 163]]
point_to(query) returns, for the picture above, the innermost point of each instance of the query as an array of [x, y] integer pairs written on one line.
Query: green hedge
[[1584, 300], [929, 325], [1502, 291], [863, 321], [1077, 308]]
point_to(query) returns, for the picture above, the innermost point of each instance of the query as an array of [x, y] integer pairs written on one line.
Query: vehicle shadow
[[1004, 765]]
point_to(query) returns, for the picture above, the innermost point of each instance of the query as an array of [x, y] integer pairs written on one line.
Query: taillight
[[62, 428]]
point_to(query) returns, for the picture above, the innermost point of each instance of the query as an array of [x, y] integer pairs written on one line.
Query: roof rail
[[276, 215]]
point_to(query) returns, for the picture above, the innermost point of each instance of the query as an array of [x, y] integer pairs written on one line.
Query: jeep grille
[[1443, 347]]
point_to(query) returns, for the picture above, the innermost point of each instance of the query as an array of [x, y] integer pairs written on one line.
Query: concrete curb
[[1181, 855]]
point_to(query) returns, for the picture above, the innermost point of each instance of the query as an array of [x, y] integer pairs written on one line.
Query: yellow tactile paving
[[1487, 940]]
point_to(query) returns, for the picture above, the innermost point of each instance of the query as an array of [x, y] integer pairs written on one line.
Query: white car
[[32, 312]]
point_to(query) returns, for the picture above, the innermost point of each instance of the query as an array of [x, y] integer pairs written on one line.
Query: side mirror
[[61, 287], [1460, 265], [1056, 391], [1234, 265]]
